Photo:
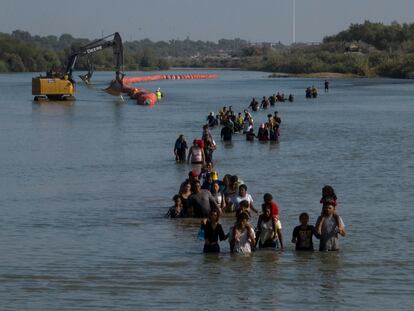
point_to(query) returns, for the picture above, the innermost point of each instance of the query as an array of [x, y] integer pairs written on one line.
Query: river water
[[85, 185]]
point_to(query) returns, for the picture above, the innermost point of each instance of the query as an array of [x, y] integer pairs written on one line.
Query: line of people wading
[[203, 195]]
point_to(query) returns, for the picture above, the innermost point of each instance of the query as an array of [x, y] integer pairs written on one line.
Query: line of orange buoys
[[144, 97]]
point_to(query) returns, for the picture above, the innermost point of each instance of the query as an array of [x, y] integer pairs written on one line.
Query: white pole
[[294, 22]]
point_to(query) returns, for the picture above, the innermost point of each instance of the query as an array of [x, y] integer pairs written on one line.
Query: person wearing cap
[[158, 93], [193, 176]]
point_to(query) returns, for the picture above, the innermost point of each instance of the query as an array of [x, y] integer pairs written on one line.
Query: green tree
[[15, 63], [4, 67], [149, 59]]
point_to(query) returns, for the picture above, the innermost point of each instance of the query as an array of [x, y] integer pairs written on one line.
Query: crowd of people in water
[[203, 195]]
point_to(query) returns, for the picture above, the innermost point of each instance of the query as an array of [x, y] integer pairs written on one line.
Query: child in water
[[241, 236], [268, 201], [328, 193], [177, 210], [213, 231], [302, 234], [328, 226]]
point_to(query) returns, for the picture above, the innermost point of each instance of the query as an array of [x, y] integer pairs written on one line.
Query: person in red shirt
[[268, 201]]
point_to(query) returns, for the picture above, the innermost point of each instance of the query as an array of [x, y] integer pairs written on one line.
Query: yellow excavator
[[61, 86]]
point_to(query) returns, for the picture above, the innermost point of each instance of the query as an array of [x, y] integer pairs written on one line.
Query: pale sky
[[253, 20]]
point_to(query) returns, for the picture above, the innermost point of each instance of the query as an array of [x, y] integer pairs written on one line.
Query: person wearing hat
[[158, 93], [214, 175]]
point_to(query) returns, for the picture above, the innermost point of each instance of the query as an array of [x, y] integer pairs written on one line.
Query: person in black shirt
[[177, 210], [326, 83], [213, 231], [180, 148], [302, 234], [226, 132]]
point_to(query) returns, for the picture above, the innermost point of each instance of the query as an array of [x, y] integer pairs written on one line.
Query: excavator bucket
[[86, 77], [115, 88]]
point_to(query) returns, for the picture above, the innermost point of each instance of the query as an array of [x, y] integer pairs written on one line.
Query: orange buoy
[[147, 99]]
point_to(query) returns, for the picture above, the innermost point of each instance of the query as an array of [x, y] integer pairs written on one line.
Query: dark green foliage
[[21, 52]]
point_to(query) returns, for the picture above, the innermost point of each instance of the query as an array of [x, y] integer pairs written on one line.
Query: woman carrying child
[[269, 229]]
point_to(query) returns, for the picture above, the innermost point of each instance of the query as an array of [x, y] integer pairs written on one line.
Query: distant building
[[353, 47], [359, 47]]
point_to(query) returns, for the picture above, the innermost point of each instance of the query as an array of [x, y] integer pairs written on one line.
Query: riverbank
[[316, 75]]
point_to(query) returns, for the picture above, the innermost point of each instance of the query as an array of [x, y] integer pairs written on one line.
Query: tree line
[[367, 49]]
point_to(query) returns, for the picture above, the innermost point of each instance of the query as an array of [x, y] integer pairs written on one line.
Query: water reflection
[[330, 266]]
